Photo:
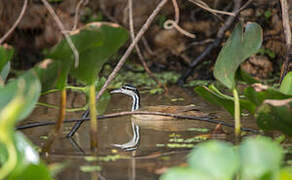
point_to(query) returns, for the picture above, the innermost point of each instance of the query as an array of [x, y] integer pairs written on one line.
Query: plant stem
[[93, 118], [61, 116], [236, 114], [84, 108], [62, 111]]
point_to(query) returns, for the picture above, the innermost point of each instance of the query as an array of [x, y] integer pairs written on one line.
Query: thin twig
[[203, 5], [170, 24], [15, 23], [131, 47], [141, 57], [176, 11], [219, 37], [126, 113], [63, 31], [287, 32], [76, 17]]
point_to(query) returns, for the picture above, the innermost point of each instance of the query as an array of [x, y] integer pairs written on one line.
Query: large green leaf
[[275, 115], [27, 87], [286, 85], [29, 166], [238, 47], [216, 158], [17, 156], [95, 42], [260, 158], [214, 96]]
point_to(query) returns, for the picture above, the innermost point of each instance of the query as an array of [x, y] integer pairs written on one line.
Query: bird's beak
[[116, 91]]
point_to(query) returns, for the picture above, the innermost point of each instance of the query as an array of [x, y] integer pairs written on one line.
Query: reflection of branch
[[62, 28], [287, 32], [141, 57], [219, 37], [131, 47], [126, 113], [16, 22]]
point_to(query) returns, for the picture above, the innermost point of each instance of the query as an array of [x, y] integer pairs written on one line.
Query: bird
[[138, 120]]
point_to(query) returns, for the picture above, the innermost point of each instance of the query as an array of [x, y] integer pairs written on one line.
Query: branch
[[131, 47], [287, 32], [63, 31], [219, 37], [16, 22], [126, 113]]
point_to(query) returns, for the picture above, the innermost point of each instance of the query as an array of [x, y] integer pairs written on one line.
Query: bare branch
[[287, 32], [62, 28], [16, 22], [131, 47]]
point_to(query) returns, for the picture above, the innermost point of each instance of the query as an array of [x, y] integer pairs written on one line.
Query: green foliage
[[217, 159], [214, 96], [275, 115], [18, 158], [95, 42], [260, 158], [286, 85], [6, 54], [238, 47], [256, 158]]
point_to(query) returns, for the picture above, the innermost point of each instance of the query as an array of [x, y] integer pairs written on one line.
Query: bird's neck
[[136, 102]]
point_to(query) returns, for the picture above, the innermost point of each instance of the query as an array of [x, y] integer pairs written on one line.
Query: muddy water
[[156, 149]]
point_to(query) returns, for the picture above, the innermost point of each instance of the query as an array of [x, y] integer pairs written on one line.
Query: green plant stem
[[74, 88], [236, 114], [93, 117], [62, 111], [84, 108], [9, 165]]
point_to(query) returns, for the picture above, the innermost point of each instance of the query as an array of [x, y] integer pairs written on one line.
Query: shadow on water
[[161, 146]]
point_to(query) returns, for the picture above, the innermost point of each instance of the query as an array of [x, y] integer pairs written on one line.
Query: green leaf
[[6, 53], [275, 115], [184, 173], [95, 42], [286, 173], [241, 75], [215, 158], [262, 93], [48, 72], [27, 88], [29, 166], [286, 85], [4, 73], [238, 47], [214, 96], [260, 158]]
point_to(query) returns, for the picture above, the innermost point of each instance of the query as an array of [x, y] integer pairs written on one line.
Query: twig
[[126, 113], [63, 31], [15, 23], [76, 17], [131, 47], [141, 57], [176, 11], [203, 5], [219, 37], [287, 32], [170, 24]]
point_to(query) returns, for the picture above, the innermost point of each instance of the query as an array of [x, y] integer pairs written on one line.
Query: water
[[154, 153]]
